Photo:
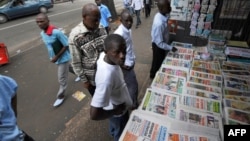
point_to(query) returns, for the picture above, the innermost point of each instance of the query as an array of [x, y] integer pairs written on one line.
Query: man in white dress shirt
[[124, 30], [138, 6]]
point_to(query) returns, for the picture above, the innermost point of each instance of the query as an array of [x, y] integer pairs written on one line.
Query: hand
[[174, 49], [126, 67], [119, 109], [54, 59]]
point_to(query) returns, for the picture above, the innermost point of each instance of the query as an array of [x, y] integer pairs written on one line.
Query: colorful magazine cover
[[187, 57], [180, 44], [238, 98], [234, 92], [169, 83], [174, 71], [198, 118], [210, 71], [201, 93], [203, 87], [160, 103], [211, 65], [206, 75], [176, 62], [205, 105], [204, 81], [237, 115], [145, 127], [245, 106]]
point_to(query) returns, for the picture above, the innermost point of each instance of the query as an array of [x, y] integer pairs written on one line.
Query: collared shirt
[[137, 4], [8, 127], [105, 14], [159, 32], [49, 39], [127, 35], [85, 47]]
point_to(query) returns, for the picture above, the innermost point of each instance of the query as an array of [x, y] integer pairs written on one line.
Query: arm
[[64, 41], [100, 114], [76, 59], [158, 39]]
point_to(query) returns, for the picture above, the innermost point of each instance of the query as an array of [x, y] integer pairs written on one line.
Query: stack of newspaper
[[236, 93], [172, 110]]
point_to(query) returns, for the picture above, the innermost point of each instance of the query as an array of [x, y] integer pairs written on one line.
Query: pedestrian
[[124, 29], [57, 44], [9, 130], [86, 42], [138, 6], [105, 15], [147, 5], [127, 5], [111, 99], [160, 36]]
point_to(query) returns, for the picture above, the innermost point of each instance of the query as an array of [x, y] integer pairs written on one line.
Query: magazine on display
[[177, 71], [180, 44], [198, 118], [204, 87], [244, 106], [210, 71], [190, 136], [204, 81], [187, 57], [160, 103], [201, 93], [233, 116], [182, 50], [205, 105], [211, 65], [241, 74], [233, 92], [206, 75], [168, 62], [238, 98], [169, 83], [142, 126], [237, 85]]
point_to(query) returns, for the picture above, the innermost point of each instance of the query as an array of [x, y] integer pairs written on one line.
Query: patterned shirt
[[85, 47]]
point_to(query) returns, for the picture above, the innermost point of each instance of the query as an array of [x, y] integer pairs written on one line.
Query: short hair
[[111, 39], [88, 8], [161, 3], [43, 15]]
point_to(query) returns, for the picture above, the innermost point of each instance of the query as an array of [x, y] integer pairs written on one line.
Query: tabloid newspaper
[[169, 83], [201, 93], [235, 116], [205, 105], [177, 71], [145, 127], [204, 87], [160, 103]]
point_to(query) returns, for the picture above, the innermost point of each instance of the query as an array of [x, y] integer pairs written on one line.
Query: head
[[91, 16], [98, 2], [115, 49], [126, 19], [164, 7], [42, 21]]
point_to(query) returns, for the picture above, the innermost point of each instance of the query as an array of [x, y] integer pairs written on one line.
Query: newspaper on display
[[169, 83], [160, 103]]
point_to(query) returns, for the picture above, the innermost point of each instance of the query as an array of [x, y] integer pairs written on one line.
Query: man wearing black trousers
[[147, 5]]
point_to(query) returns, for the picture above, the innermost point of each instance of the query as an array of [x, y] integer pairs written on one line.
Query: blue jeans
[[117, 124], [138, 19]]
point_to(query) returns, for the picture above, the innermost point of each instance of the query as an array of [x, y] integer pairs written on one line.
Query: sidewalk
[[80, 127]]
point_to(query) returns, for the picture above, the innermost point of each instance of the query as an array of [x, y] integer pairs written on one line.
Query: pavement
[[38, 84]]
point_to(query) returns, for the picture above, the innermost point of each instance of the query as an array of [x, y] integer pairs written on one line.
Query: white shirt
[[111, 88], [137, 4], [127, 35]]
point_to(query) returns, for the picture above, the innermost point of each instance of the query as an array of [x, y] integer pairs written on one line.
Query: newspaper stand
[[4, 55]]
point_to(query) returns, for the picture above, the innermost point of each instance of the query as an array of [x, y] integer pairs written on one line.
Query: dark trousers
[[138, 19], [147, 10], [158, 57]]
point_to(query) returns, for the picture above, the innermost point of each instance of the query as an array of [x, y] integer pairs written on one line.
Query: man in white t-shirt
[[111, 99]]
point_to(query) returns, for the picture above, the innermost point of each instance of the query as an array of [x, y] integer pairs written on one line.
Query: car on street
[[10, 9]]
